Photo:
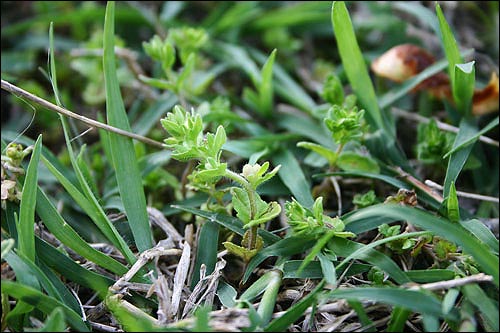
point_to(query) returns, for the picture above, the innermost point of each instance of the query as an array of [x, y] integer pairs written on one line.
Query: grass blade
[[354, 64], [456, 162], [417, 301], [26, 231], [71, 270], [292, 176], [43, 302], [449, 44], [206, 253], [69, 237], [127, 172], [486, 305], [398, 319], [453, 232]]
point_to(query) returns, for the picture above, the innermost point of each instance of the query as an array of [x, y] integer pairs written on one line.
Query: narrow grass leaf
[[256, 288], [354, 64], [449, 45], [69, 237], [72, 271], [268, 301], [314, 270], [483, 233], [208, 242], [473, 138], [44, 303], [328, 269], [362, 315], [487, 306], [417, 301], [449, 300], [227, 294], [26, 224], [7, 245], [54, 221], [457, 160], [353, 250], [55, 322], [265, 87], [127, 172], [292, 176], [398, 319], [430, 275], [464, 87], [452, 205], [453, 232], [295, 312]]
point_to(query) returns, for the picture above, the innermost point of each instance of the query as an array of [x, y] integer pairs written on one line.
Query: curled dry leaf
[[404, 61]]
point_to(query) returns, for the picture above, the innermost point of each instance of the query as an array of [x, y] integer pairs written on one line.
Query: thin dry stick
[[40, 101], [481, 277], [481, 197], [440, 125]]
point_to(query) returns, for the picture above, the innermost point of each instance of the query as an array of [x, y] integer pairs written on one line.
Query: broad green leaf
[[449, 300], [26, 230], [43, 302], [453, 232], [351, 161], [227, 294], [122, 148], [327, 153]]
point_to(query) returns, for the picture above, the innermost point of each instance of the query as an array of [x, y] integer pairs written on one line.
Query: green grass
[[90, 216]]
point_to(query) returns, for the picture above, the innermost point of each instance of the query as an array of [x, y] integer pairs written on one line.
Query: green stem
[[337, 153], [253, 205]]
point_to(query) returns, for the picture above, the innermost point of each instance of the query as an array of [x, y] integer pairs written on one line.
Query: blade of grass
[[292, 176], [354, 64], [314, 270], [265, 87], [417, 301], [483, 233], [487, 306], [449, 45], [453, 232], [464, 87], [44, 303], [69, 237], [26, 230], [72, 271], [456, 162], [90, 203], [127, 172], [398, 319], [206, 253], [350, 250]]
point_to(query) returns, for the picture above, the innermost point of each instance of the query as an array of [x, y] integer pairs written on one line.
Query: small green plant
[[188, 142]]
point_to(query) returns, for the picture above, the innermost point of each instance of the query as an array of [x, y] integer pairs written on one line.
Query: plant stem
[[253, 205]]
